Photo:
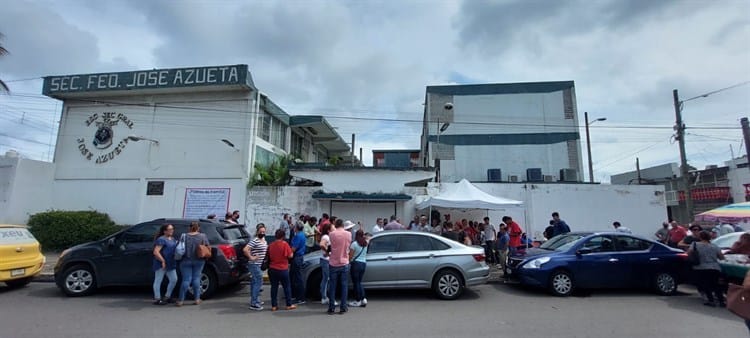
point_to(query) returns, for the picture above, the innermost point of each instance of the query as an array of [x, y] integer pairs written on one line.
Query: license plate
[[17, 272]]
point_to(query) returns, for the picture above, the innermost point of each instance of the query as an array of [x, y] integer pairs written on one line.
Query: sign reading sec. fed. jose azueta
[[147, 79]]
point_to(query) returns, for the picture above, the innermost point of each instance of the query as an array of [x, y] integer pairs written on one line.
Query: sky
[[351, 59]]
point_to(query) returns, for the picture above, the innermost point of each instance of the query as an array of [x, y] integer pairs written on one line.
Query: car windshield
[[234, 232], [562, 242], [727, 240]]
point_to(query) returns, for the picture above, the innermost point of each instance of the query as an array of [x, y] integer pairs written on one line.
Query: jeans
[[276, 277], [191, 276], [325, 276], [339, 278], [489, 252], [298, 285], [255, 283], [358, 271], [159, 276]]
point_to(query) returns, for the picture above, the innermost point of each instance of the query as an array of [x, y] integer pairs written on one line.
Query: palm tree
[[3, 51]]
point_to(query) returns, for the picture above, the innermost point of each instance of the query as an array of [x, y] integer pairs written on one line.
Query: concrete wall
[[189, 153], [584, 207], [738, 177], [25, 188]]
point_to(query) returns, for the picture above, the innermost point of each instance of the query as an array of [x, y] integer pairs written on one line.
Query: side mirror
[[583, 251]]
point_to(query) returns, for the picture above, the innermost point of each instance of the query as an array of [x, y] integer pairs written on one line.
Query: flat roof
[[501, 88]]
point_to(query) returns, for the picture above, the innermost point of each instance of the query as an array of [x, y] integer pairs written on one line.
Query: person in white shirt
[[620, 228], [378, 227], [490, 234]]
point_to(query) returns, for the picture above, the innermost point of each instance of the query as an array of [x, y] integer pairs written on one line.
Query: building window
[[263, 156], [278, 134], [264, 127]]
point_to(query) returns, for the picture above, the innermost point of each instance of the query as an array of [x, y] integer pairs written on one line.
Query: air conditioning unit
[[494, 175], [549, 178], [534, 175], [568, 175], [513, 178]]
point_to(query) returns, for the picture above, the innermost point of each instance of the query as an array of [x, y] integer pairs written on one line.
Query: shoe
[[274, 308], [363, 303], [300, 302], [178, 304], [324, 301], [262, 303], [171, 300], [198, 301], [336, 303], [341, 312], [291, 307], [499, 266], [330, 312], [711, 304], [160, 302], [256, 307], [354, 303]]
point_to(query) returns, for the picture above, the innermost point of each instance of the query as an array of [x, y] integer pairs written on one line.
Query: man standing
[[286, 225], [620, 228], [299, 244], [514, 232], [394, 224], [378, 227], [662, 235], [502, 249], [560, 227], [339, 266], [490, 234], [423, 226], [236, 216]]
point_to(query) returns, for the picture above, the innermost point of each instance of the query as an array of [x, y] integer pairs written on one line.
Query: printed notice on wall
[[201, 202]]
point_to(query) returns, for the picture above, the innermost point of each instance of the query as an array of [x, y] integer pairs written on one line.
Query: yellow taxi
[[21, 255]]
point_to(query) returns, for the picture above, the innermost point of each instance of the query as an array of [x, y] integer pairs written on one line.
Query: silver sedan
[[413, 260]]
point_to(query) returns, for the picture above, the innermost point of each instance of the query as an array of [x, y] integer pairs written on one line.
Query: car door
[[128, 258], [416, 260], [598, 265], [641, 263], [382, 269]]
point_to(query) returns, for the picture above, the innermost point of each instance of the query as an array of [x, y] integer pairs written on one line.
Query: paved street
[[496, 310]]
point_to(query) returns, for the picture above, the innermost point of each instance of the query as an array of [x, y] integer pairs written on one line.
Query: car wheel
[[665, 283], [448, 284], [561, 283], [18, 283], [313, 285], [78, 280]]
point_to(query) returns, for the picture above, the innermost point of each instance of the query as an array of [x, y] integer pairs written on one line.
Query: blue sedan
[[591, 260]]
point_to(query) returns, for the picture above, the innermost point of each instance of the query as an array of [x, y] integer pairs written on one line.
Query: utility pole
[[588, 148], [680, 129], [352, 151], [746, 134]]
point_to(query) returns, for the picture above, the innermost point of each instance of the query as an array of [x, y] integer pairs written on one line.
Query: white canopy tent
[[465, 195]]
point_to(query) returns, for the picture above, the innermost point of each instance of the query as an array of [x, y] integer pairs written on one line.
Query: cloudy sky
[[345, 59]]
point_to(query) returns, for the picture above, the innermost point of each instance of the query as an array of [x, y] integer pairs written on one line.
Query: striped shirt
[[258, 248]]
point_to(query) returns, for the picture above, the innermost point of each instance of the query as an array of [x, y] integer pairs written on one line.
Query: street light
[[141, 138], [588, 144]]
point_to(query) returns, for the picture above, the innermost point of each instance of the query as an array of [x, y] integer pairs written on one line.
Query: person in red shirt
[[676, 234], [279, 254], [514, 232]]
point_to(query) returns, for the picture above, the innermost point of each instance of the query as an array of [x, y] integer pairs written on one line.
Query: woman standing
[[325, 243], [255, 251], [164, 263], [191, 265], [358, 252], [279, 254], [708, 270]]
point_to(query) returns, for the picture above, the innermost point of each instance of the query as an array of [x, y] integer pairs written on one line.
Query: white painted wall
[[25, 188], [189, 153], [738, 177]]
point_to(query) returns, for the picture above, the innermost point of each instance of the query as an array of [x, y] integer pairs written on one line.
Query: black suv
[[125, 258]]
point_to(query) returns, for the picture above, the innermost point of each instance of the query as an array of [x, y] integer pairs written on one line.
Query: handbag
[[738, 301], [180, 249], [693, 257], [203, 251], [266, 262]]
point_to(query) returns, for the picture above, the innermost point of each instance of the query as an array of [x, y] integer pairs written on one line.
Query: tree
[[3, 51]]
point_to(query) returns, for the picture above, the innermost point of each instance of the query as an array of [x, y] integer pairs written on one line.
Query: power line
[[716, 91]]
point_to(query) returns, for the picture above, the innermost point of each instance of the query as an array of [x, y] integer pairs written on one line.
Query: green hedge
[[57, 229]]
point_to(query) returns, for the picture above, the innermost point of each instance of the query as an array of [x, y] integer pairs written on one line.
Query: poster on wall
[[201, 202]]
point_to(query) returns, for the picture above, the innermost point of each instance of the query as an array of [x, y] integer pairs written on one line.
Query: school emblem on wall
[[104, 135]]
